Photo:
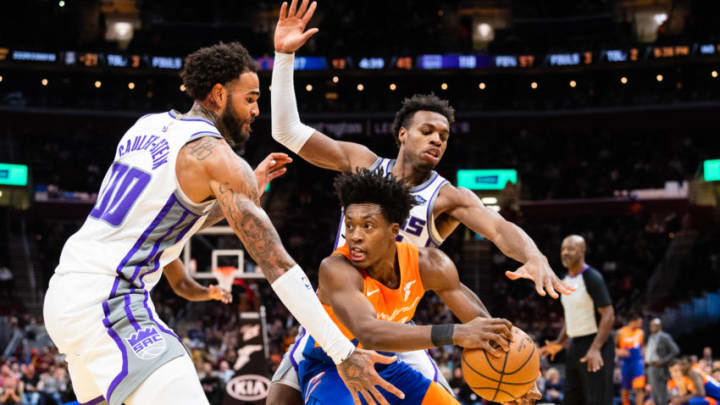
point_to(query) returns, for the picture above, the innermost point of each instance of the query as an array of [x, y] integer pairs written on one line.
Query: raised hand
[[219, 294], [539, 271], [550, 349], [490, 334], [290, 32], [271, 167], [358, 373]]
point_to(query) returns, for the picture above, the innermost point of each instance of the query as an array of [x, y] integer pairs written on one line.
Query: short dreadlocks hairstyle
[[219, 63], [420, 102], [375, 187]]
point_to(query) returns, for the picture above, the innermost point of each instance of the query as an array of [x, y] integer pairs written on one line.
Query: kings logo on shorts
[[147, 343]]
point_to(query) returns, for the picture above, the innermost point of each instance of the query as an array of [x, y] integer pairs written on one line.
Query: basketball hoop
[[225, 276]]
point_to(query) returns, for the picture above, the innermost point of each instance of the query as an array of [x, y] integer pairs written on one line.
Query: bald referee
[[589, 317]]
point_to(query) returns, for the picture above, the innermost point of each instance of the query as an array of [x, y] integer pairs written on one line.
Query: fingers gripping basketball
[[503, 378]]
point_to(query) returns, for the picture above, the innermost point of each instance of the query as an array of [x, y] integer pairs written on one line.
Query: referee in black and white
[[589, 318]]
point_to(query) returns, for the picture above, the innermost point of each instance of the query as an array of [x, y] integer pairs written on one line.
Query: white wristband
[[285, 122], [297, 294]]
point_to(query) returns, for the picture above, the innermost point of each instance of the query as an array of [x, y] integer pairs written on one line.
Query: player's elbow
[[609, 315]]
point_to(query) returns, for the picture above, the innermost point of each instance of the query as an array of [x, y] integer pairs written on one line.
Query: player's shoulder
[[337, 270], [453, 195], [196, 126], [431, 258]]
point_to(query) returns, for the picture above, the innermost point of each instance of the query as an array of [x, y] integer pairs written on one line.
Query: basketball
[[504, 378]]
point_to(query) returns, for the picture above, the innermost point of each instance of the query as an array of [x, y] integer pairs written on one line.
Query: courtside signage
[[712, 170], [13, 175], [486, 179]]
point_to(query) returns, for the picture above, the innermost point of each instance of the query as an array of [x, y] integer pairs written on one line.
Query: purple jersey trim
[[124, 370], [152, 318], [205, 132], [430, 220], [93, 401], [142, 239], [190, 119], [581, 271], [157, 257], [427, 184], [295, 346], [433, 364], [154, 252], [129, 313], [340, 227]]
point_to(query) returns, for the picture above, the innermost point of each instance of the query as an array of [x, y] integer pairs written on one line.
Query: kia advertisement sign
[[248, 387], [251, 381]]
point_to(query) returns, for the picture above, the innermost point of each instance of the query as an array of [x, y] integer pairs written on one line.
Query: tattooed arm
[[216, 171], [214, 216], [209, 168], [232, 182]]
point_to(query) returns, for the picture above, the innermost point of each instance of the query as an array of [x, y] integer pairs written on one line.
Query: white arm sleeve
[[284, 118], [297, 294]]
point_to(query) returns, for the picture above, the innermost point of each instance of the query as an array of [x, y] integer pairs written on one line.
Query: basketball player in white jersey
[[421, 130], [171, 174]]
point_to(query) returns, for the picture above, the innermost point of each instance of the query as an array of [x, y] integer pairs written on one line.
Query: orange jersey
[[632, 341], [683, 387], [394, 305]]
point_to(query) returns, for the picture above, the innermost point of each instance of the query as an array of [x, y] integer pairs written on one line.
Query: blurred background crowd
[[610, 151]]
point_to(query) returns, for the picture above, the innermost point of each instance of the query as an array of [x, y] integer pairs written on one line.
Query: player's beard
[[234, 134]]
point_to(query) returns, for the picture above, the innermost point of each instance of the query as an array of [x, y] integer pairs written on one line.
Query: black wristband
[[442, 335]]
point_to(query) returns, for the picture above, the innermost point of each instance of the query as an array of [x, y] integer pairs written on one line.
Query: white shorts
[[114, 346]]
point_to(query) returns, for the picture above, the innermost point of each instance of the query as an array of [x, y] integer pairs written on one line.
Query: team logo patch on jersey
[[147, 343], [420, 200]]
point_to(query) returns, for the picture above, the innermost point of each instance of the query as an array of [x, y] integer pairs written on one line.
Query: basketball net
[[225, 276]]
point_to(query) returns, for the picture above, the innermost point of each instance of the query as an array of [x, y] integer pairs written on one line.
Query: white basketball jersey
[[419, 228], [142, 218]]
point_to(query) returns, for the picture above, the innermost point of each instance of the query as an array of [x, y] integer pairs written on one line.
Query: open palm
[[290, 32]]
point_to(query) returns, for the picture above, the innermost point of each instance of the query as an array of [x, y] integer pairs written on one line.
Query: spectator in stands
[[11, 387], [553, 392], [211, 383], [660, 350], [30, 382], [49, 387], [225, 373], [707, 355]]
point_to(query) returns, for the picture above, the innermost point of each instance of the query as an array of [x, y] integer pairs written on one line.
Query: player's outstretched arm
[[341, 285], [220, 173], [186, 287], [311, 145], [464, 206]]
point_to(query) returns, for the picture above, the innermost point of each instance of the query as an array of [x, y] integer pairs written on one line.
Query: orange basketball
[[504, 378]]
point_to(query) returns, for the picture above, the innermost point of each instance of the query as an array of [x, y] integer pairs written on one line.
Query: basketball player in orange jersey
[[421, 130], [629, 347], [371, 287]]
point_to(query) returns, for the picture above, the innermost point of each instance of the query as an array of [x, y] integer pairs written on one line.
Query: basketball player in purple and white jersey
[[172, 174], [422, 131]]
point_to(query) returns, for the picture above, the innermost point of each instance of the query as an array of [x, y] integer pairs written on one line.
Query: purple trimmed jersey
[[141, 218], [419, 228]]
